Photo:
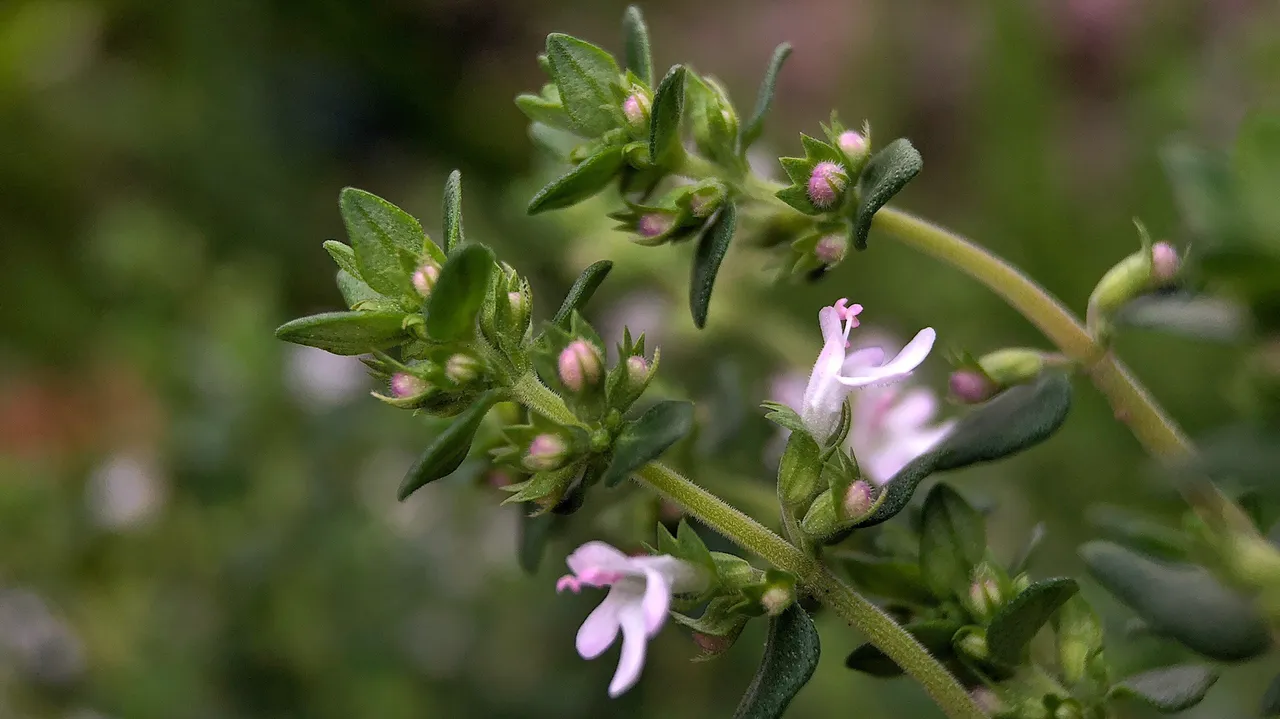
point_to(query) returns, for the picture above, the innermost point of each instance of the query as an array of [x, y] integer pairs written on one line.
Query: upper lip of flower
[[640, 590]]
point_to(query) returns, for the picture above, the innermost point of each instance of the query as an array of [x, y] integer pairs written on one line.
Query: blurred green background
[[197, 520]]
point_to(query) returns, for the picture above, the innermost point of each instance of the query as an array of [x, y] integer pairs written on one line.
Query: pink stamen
[[848, 313], [569, 582]]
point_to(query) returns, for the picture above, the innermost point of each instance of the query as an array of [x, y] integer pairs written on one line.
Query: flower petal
[[657, 600], [597, 556], [912, 411], [897, 368], [829, 322], [601, 627], [862, 358], [631, 661]]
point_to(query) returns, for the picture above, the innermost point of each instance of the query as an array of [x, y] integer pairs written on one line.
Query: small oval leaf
[[755, 126], [791, 653], [453, 211], [953, 539], [448, 450], [1018, 622], [344, 256], [346, 333], [385, 239], [1171, 689], [586, 179], [639, 58], [645, 439], [459, 293], [886, 173], [665, 149], [712, 247], [585, 76], [1181, 601], [1017, 419], [581, 291]]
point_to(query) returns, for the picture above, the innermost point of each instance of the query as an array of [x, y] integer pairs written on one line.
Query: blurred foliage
[[199, 521]]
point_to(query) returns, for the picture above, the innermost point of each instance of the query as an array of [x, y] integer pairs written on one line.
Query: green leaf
[[953, 539], [585, 75], [586, 179], [888, 171], [346, 333], [887, 578], [453, 211], [797, 197], [783, 416], [1270, 705], [665, 149], [1017, 419], [1018, 622], [459, 293], [1169, 690], [1079, 637], [791, 653], [639, 58], [581, 291], [387, 242], [448, 450], [542, 109], [1181, 601], [799, 471], [360, 296], [1139, 533], [755, 126], [645, 439], [344, 256], [712, 246], [535, 531], [935, 635]]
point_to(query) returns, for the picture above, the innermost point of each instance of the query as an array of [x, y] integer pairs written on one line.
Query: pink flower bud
[[546, 452], [852, 143], [827, 184], [461, 368], [636, 108], [985, 596], [831, 248], [858, 499], [424, 279], [654, 224], [1164, 262], [712, 644], [971, 387], [579, 365], [637, 369], [405, 385]]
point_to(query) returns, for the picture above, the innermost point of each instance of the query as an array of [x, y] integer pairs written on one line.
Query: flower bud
[[1164, 262], [827, 184], [985, 596], [654, 224], [831, 248], [975, 645], [776, 599], [1253, 561], [546, 452], [461, 368], [852, 143], [637, 369], [971, 386], [424, 279], [712, 644], [705, 200], [405, 385], [858, 499], [580, 366], [636, 109]]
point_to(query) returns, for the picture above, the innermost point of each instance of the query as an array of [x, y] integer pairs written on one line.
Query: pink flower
[[891, 426], [640, 590], [838, 372]]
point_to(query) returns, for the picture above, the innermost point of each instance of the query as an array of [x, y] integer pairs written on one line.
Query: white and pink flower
[[639, 597]]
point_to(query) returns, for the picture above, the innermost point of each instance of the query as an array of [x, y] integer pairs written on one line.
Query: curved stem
[[861, 614], [1132, 405]]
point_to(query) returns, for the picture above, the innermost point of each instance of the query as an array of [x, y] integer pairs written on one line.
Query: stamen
[[569, 582]]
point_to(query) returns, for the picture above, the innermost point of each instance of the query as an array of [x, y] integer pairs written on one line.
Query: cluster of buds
[[678, 215], [975, 381]]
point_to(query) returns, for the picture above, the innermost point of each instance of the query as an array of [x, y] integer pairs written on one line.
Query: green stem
[[1130, 401], [861, 614], [529, 391]]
